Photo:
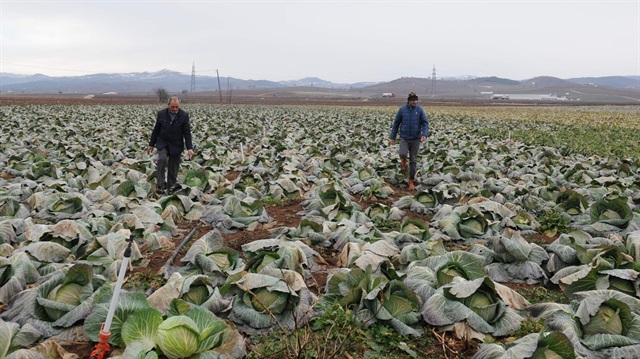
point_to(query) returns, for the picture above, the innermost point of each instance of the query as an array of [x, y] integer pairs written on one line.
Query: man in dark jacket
[[170, 133], [413, 125]]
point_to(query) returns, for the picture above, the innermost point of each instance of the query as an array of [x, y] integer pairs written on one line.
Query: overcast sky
[[338, 41]]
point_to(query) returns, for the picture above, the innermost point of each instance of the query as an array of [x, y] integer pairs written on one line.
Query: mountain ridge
[[467, 86]]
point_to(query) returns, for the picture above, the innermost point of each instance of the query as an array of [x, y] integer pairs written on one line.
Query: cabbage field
[[295, 222]]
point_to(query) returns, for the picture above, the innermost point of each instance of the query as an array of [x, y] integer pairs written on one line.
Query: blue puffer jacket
[[412, 123]]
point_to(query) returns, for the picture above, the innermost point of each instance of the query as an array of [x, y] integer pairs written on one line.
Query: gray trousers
[[410, 148], [170, 164]]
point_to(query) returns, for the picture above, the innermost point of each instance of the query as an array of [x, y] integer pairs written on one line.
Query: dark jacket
[[171, 135], [412, 123]]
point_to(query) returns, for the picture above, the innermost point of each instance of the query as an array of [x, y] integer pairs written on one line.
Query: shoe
[[403, 164], [159, 190], [411, 185], [173, 189]]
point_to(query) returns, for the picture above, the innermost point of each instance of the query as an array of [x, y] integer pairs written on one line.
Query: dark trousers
[[411, 148], [168, 167]]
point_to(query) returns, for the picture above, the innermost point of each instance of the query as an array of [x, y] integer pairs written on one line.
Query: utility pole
[[433, 82], [219, 88], [193, 78]]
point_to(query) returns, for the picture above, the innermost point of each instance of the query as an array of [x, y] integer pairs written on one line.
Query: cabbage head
[[196, 178], [270, 297], [427, 275], [187, 332], [477, 305], [484, 303], [178, 337], [572, 202], [614, 212], [599, 323], [545, 345], [57, 297], [607, 267], [375, 298]]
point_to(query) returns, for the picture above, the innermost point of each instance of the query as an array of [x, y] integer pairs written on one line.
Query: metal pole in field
[[433, 82], [219, 88], [193, 78], [103, 347]]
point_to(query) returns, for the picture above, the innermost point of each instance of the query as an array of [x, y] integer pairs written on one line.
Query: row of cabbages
[[66, 212]]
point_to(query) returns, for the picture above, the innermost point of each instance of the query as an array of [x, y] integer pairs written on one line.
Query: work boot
[[411, 185], [403, 164], [175, 188]]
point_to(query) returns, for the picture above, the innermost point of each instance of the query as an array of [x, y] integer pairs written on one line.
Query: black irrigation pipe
[[165, 269]]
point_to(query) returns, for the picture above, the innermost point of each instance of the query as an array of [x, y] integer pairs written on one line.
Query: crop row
[[76, 184]]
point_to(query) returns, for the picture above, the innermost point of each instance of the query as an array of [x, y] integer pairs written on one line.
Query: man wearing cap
[[412, 122], [170, 134]]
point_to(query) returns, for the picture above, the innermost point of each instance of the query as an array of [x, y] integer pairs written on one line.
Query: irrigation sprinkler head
[[103, 347]]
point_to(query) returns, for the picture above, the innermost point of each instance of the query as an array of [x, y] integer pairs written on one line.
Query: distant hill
[[139, 82], [316, 82], [626, 82], [421, 86], [494, 80], [542, 88], [467, 87], [546, 81], [145, 82]]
